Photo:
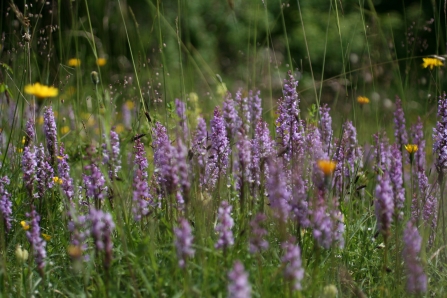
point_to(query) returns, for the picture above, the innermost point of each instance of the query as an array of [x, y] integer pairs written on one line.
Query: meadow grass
[[171, 152]]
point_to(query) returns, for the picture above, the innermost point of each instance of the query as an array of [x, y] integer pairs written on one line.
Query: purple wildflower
[[94, 184], [166, 167], [288, 125], [279, 194], [293, 270], [243, 146], [384, 204], [325, 126], [5, 203], [183, 242], [63, 170], [80, 232], [180, 108], [232, 120], [200, 143], [102, 228], [30, 132], [397, 180], [417, 134], [36, 241], [440, 136], [256, 106], [29, 165], [299, 201], [382, 152], [257, 242], [239, 286], [219, 152], [224, 225], [49, 128], [400, 132], [44, 173], [262, 148], [352, 151], [112, 158], [244, 108], [141, 194], [327, 227], [416, 277], [183, 169]]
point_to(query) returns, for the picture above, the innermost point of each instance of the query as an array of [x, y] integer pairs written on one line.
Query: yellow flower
[[362, 100], [46, 237], [129, 104], [20, 150], [327, 166], [411, 148], [23, 140], [60, 157], [40, 120], [41, 91], [57, 180], [65, 129], [25, 225], [431, 62], [101, 61], [74, 62], [119, 128], [74, 251]]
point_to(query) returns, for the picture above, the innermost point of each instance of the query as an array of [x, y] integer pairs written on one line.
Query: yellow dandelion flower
[[119, 128], [60, 157], [25, 225], [101, 61], [411, 148], [129, 104], [57, 180], [431, 62], [362, 100], [46, 237], [327, 166], [74, 62], [65, 129], [41, 91]]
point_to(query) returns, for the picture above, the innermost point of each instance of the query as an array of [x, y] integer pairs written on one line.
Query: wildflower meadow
[[232, 148]]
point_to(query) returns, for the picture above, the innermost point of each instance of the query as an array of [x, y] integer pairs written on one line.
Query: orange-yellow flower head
[[101, 61], [46, 237], [411, 148], [362, 100], [74, 62], [327, 166], [41, 91], [25, 225], [431, 62]]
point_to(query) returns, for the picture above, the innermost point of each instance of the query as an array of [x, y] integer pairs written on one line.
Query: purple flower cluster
[[36, 241], [63, 169], [257, 243], [293, 270], [416, 277], [141, 194], [183, 242], [397, 180], [326, 129], [95, 184], [239, 287], [102, 228], [279, 195], [49, 128], [384, 204], [180, 108], [200, 143], [440, 136], [30, 132], [219, 152], [400, 132], [44, 173], [232, 120], [112, 159], [224, 225], [5, 203], [262, 148], [29, 164]]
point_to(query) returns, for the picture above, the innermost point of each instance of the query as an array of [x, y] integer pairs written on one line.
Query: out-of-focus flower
[[183, 242], [362, 100], [5, 203], [25, 225], [239, 286], [431, 62], [327, 166], [224, 226], [101, 61], [74, 62], [95, 77], [21, 254], [46, 237], [293, 270], [65, 129], [221, 89], [41, 91], [57, 180], [36, 241], [416, 277], [411, 148]]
